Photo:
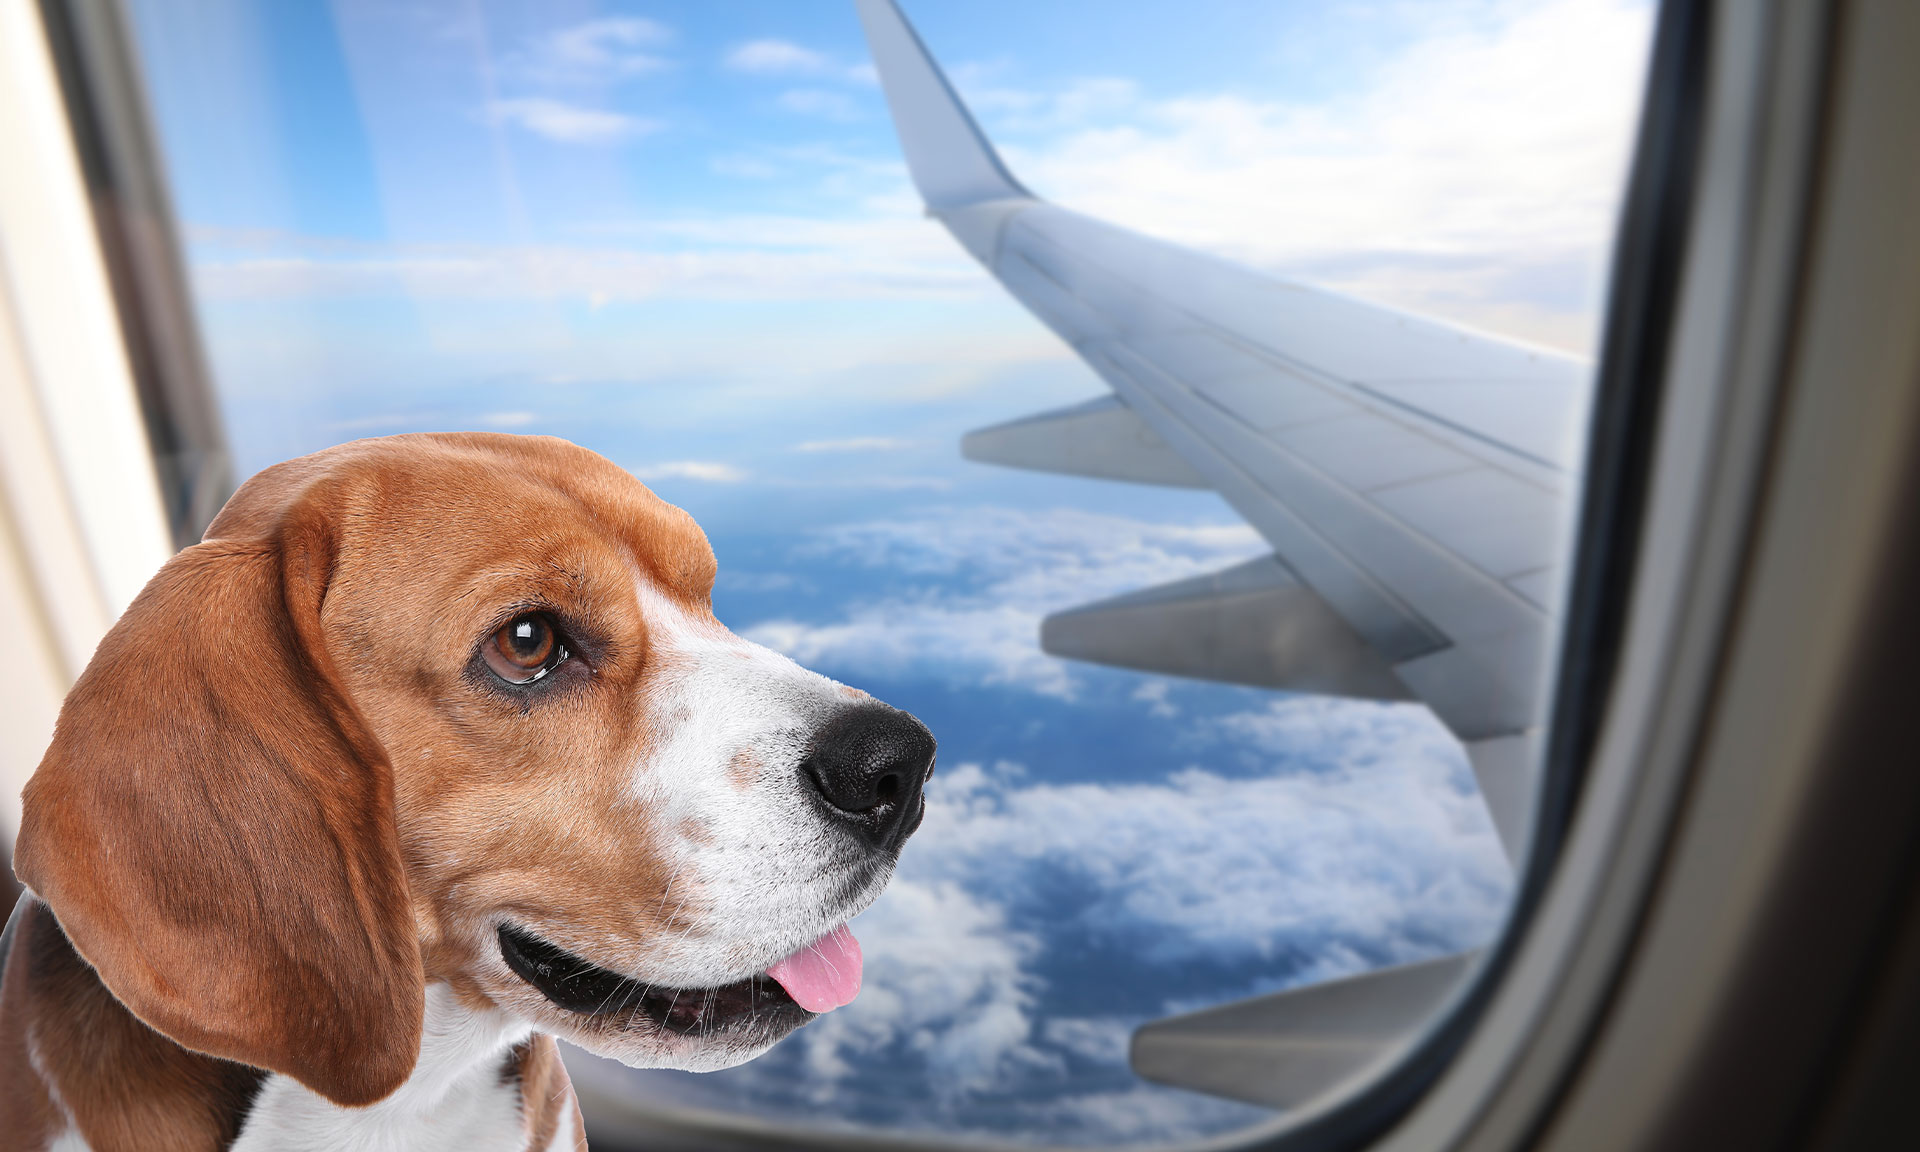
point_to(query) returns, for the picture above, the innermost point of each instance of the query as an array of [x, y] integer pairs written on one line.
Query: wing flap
[[1254, 623], [1285, 1049], [1382, 618], [1102, 438]]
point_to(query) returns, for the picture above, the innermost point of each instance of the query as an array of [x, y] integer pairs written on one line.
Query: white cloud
[[854, 444], [819, 102], [1362, 844], [610, 48], [1384, 853], [1487, 153], [594, 55], [988, 644], [1139, 1114], [1098, 553], [1021, 565], [885, 256], [709, 471], [1071, 108], [771, 57], [1101, 1038], [1154, 694], [1474, 175], [569, 123]]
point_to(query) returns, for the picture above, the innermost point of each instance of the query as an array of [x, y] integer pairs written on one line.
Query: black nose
[[868, 764]]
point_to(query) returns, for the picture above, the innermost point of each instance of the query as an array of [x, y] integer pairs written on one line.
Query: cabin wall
[[81, 521]]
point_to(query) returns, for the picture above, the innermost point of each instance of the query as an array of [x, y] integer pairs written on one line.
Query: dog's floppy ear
[[213, 824]]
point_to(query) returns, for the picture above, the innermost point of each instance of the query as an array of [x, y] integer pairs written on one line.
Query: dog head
[[456, 708]]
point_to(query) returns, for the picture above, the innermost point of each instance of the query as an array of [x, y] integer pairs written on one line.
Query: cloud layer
[[1474, 174], [772, 57], [1362, 843], [569, 123], [979, 581], [1049, 906], [1045, 910]]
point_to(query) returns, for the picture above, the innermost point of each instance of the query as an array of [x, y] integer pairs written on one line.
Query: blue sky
[[739, 85], [681, 234], [481, 203]]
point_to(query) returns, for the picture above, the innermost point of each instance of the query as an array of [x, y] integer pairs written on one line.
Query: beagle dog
[[430, 752]]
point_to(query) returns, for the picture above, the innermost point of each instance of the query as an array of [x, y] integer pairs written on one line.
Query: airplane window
[[1232, 618]]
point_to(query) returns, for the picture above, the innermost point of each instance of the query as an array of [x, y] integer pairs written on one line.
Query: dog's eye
[[524, 649]]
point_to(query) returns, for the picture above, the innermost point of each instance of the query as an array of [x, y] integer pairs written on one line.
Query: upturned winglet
[[951, 160]]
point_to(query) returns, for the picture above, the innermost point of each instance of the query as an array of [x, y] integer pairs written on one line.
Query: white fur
[[762, 874], [70, 1139], [756, 869], [766, 878], [566, 1135], [757, 873], [454, 1101]]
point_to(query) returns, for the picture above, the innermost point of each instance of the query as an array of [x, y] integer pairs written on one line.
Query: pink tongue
[[825, 974]]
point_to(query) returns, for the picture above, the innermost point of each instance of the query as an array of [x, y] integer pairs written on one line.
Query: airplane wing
[[1412, 476]]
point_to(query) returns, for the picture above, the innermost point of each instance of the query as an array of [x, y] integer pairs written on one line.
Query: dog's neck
[[463, 1095]]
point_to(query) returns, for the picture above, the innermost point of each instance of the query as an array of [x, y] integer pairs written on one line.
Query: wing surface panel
[[1368, 455], [1360, 468], [1415, 476], [1480, 378], [1381, 617], [1254, 623], [1102, 438]]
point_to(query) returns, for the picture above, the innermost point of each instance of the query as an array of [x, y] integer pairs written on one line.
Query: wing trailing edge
[[1102, 438], [1254, 623], [1285, 1049]]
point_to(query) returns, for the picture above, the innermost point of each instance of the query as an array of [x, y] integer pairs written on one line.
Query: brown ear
[[213, 826]]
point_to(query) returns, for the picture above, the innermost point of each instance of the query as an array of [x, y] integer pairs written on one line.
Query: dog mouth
[[777, 1001]]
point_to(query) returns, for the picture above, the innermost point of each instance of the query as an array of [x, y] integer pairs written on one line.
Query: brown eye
[[524, 649]]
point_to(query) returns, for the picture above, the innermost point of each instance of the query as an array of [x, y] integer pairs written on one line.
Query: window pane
[[682, 235]]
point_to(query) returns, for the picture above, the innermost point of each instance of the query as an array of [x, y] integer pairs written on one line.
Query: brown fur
[[128, 1088], [28, 1116], [279, 800], [546, 1094], [213, 825], [743, 771]]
